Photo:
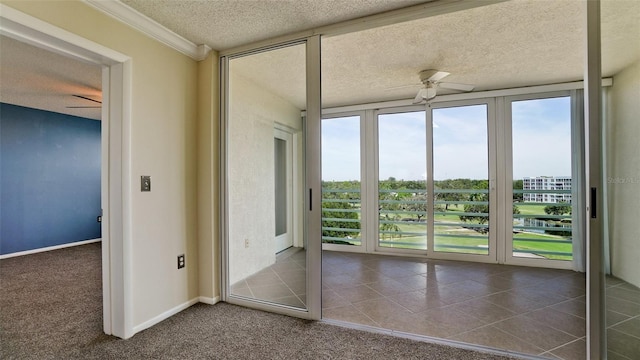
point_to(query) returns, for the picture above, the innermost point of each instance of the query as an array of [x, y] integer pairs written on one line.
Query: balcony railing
[[543, 234], [461, 221], [341, 216]]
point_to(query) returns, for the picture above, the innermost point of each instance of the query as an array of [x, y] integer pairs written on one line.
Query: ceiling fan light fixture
[[430, 92], [431, 80]]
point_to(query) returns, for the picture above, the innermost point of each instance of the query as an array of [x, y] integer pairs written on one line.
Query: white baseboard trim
[[49, 248], [208, 300], [165, 315]]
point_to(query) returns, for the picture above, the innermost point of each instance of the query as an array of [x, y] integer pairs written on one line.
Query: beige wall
[[623, 172], [208, 177], [253, 114], [163, 145]]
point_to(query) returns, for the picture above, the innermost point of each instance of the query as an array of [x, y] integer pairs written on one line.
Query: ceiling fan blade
[[420, 97], [402, 87], [432, 75], [86, 98], [455, 86]]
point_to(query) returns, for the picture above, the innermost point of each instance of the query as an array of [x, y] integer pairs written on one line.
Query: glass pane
[[341, 207], [280, 171], [461, 180], [402, 185], [542, 178], [620, 24], [267, 91]]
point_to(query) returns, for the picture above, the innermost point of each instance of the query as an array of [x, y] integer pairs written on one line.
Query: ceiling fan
[[86, 107], [431, 81]]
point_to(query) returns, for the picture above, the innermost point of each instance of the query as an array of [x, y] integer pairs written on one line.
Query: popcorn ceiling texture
[[223, 24], [510, 44], [505, 45]]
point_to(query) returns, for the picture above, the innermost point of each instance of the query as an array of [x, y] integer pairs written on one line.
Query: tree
[[517, 185], [475, 208], [451, 184], [327, 213], [560, 209], [417, 205], [482, 209], [388, 227]]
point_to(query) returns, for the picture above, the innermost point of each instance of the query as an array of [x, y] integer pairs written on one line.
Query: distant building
[[547, 183]]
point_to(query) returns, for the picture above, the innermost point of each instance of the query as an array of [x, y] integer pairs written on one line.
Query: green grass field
[[464, 240]]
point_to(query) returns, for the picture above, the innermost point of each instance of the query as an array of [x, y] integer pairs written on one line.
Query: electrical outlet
[[180, 261], [246, 243]]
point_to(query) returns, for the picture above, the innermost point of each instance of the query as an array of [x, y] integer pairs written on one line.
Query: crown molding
[[149, 27], [33, 31]]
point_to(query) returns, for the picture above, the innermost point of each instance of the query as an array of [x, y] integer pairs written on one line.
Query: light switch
[[145, 183]]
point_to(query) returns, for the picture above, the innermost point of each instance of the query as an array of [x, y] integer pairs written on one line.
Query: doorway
[[283, 187], [116, 74]]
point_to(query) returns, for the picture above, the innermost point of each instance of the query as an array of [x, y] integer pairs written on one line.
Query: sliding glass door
[[544, 189], [341, 183], [271, 179], [462, 173], [488, 180], [402, 180]]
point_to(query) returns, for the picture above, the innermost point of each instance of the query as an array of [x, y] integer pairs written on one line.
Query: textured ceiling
[[510, 44], [223, 24], [40, 79], [505, 45]]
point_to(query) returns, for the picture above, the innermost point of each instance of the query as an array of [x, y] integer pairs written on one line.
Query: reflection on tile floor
[[523, 309], [623, 320], [283, 282], [528, 310]]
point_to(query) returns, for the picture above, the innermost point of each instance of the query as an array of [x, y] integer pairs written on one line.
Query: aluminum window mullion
[[496, 182], [430, 186], [507, 247], [369, 131]]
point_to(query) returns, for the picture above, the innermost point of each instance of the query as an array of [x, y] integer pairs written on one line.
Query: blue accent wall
[[50, 168]]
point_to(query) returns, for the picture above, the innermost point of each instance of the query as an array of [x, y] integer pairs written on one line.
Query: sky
[[541, 143]]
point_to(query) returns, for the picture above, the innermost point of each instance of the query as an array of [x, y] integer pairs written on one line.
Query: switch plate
[[145, 183], [181, 261]]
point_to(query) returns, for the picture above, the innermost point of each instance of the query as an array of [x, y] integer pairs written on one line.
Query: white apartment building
[[547, 183]]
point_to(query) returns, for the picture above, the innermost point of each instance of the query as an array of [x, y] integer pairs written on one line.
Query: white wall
[[623, 152], [253, 113]]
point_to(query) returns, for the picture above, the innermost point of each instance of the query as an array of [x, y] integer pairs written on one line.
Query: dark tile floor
[[528, 310], [623, 320], [522, 309], [282, 283]]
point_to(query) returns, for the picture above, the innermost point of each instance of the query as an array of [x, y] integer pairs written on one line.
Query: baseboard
[[49, 248], [165, 315], [208, 300]]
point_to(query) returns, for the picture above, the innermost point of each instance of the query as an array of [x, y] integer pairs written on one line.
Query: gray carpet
[[51, 308]]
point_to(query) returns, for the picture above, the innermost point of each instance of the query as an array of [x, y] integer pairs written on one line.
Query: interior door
[[283, 189]]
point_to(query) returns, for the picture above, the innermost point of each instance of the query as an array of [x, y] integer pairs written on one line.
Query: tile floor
[[282, 283], [522, 309], [623, 320]]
